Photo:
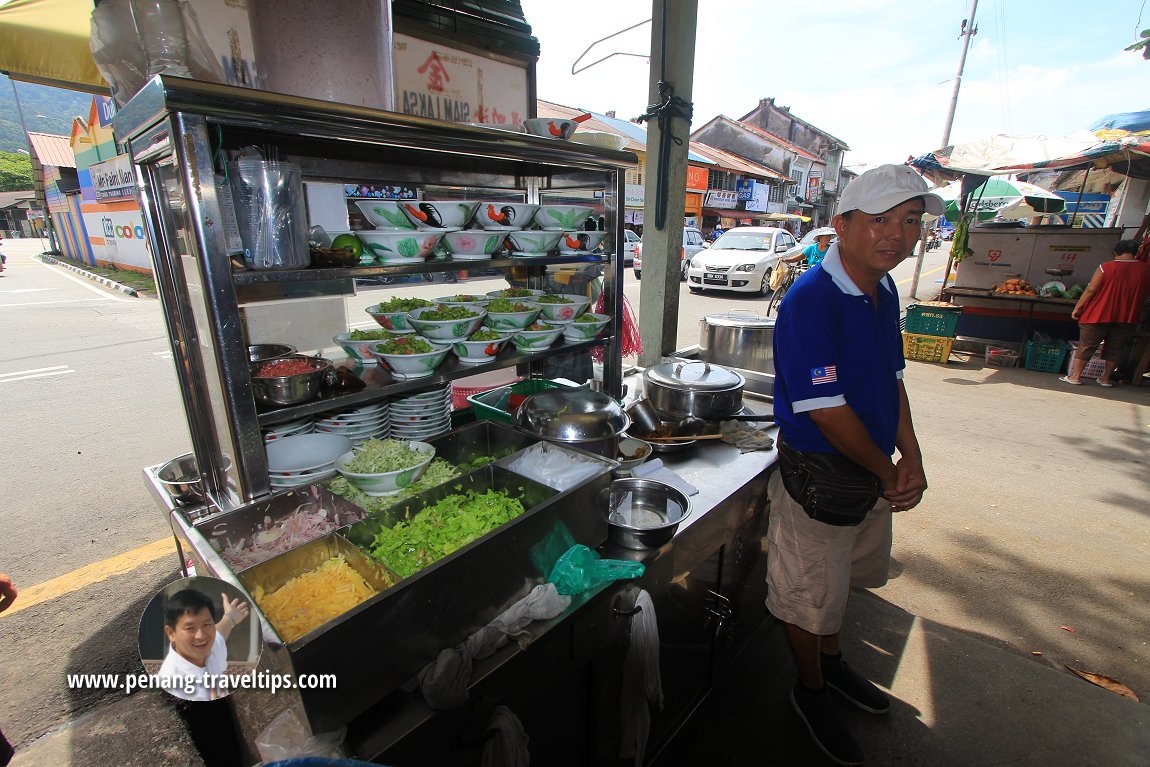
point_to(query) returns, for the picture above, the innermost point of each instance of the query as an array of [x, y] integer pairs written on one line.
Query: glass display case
[[183, 136]]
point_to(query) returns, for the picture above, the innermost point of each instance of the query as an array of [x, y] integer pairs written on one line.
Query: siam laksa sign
[[444, 83]]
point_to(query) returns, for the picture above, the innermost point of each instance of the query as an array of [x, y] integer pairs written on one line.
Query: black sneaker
[[817, 711], [853, 686]]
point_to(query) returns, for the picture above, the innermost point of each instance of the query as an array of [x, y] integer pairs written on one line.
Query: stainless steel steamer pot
[[739, 340], [580, 418], [698, 389]]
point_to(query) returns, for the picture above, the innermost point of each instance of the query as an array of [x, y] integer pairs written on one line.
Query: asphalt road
[[89, 399]]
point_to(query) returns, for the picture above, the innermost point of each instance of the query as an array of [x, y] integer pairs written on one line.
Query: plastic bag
[[287, 737], [133, 39], [580, 569], [554, 467]]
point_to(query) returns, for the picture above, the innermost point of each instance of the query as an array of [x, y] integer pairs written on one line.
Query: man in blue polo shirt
[[842, 408]]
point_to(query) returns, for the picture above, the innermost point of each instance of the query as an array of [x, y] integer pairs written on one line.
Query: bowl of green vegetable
[[392, 314], [447, 323], [585, 327], [516, 293], [464, 298], [536, 336], [357, 343], [481, 346], [409, 356], [381, 467], [510, 313], [562, 307]]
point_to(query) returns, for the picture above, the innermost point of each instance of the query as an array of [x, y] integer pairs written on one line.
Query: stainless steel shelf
[[264, 277], [379, 383]]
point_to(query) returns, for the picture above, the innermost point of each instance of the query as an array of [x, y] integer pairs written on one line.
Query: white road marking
[[52, 303], [27, 290], [24, 375], [84, 283], [163, 355]]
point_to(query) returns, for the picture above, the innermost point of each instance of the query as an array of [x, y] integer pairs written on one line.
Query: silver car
[[693, 242]]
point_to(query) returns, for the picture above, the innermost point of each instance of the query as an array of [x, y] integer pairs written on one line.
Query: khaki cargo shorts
[[812, 566]]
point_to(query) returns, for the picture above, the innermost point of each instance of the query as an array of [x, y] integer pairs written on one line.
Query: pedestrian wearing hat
[[843, 412], [817, 250]]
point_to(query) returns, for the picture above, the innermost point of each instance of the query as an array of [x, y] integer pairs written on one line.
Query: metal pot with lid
[[699, 389], [739, 339], [580, 417]]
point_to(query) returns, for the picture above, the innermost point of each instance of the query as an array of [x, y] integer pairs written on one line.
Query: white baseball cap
[[887, 186]]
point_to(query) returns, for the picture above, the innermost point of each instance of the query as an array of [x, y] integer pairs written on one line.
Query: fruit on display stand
[[1015, 287]]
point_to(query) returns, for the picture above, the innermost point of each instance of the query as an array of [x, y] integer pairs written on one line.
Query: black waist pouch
[[831, 488]]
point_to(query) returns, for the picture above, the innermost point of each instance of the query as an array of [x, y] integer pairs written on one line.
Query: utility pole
[[673, 64], [968, 31]]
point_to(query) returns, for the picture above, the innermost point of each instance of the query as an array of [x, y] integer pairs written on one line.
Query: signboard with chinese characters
[[444, 83], [814, 187], [113, 179], [718, 198]]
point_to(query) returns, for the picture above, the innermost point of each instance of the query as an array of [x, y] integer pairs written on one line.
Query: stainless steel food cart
[[176, 130]]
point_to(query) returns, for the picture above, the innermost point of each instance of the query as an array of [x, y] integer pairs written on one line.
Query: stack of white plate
[[371, 421], [304, 458], [421, 415], [289, 429]]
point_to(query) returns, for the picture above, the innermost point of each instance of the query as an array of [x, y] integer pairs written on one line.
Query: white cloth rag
[[507, 747], [655, 470], [443, 682], [543, 603], [642, 681]]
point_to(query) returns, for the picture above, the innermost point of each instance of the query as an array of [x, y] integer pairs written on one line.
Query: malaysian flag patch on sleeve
[[824, 375]]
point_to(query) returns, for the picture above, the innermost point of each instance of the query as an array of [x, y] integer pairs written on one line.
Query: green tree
[[1142, 45], [15, 172]]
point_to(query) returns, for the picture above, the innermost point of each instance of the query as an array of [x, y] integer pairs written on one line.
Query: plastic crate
[[1001, 357], [1046, 357], [926, 348], [932, 320], [487, 406], [1095, 366]]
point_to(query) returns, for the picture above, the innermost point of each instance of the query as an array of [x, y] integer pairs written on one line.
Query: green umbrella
[[999, 198]]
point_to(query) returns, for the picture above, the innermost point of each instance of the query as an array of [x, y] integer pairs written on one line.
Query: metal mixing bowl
[[266, 352], [655, 510], [291, 390], [180, 477]]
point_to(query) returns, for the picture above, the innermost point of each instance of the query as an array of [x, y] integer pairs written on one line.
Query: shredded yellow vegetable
[[311, 599]]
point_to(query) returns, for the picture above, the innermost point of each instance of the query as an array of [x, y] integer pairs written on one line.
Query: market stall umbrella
[[1000, 198], [46, 41]]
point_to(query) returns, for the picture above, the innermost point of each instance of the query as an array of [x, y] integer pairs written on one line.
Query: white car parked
[[740, 259], [631, 242]]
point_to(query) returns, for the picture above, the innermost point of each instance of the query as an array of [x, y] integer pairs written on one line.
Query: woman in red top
[[1109, 310]]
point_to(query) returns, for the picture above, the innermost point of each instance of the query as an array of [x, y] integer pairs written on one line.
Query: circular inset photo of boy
[[197, 639]]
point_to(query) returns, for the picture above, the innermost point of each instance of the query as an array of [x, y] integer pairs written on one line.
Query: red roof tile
[[52, 150]]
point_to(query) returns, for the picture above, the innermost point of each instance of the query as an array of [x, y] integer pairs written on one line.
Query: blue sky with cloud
[[876, 73]]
